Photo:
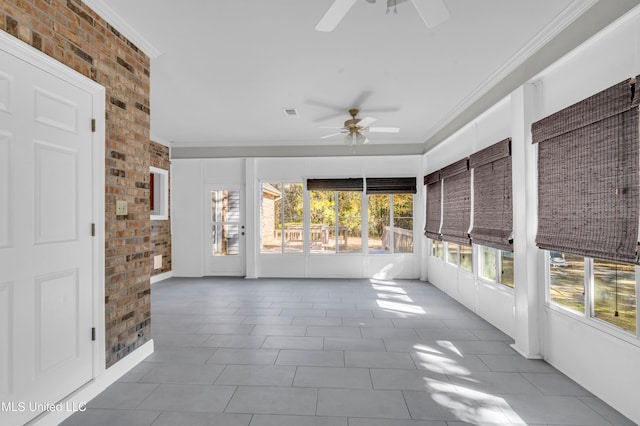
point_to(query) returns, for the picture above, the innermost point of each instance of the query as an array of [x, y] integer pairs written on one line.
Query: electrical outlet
[[121, 208], [157, 262]]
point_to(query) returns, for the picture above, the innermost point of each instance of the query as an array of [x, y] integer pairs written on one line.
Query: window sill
[[158, 217]]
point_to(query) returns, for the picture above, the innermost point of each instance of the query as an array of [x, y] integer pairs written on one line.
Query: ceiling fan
[[355, 128], [432, 12]]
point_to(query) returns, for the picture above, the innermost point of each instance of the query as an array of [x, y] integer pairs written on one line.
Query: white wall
[[492, 301], [601, 358], [190, 176]]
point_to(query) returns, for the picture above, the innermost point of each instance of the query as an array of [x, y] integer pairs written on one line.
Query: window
[[612, 286], [466, 258], [614, 294], [328, 235], [437, 249], [566, 280], [281, 218], [488, 263], [390, 223], [493, 261], [452, 254], [158, 193], [506, 268]]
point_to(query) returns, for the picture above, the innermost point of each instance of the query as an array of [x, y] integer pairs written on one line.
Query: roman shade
[[588, 176], [434, 205], [456, 202], [349, 184], [401, 185], [492, 196]]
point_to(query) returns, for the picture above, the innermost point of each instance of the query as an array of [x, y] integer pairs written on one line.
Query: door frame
[[208, 187], [36, 58]]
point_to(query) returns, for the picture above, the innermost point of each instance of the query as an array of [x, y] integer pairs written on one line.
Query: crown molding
[[119, 23]]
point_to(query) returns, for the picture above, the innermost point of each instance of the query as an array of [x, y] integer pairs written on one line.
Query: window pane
[[293, 218], [270, 218], [566, 280], [437, 249], [615, 294], [379, 221], [452, 253], [466, 258], [225, 218], [488, 263], [323, 221], [403, 223], [506, 274], [349, 222]]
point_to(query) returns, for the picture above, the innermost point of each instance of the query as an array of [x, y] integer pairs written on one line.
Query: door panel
[[46, 249], [5, 191], [225, 252]]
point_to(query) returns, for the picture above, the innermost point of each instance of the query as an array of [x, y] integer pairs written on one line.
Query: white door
[[225, 231], [46, 287]]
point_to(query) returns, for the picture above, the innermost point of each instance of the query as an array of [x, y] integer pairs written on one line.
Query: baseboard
[[525, 354], [161, 277], [82, 396]]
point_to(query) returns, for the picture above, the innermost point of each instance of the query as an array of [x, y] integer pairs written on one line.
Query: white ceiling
[[226, 69]]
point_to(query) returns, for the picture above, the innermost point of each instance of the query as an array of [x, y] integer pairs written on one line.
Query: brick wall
[[73, 34], [161, 229]]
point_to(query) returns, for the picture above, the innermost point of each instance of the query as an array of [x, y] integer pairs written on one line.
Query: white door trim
[[34, 57]]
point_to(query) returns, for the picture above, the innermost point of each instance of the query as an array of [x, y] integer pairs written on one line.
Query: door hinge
[[93, 334], [93, 125], [93, 229]]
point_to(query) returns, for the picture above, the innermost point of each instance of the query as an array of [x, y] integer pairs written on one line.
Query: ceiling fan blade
[[366, 121], [383, 129], [330, 127], [432, 12], [334, 15], [331, 135]]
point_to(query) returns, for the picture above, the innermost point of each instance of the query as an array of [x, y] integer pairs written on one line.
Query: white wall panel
[[276, 266], [496, 305], [223, 171], [56, 200], [609, 58], [494, 125], [392, 266], [187, 258], [5, 191], [5, 92], [336, 266], [598, 361], [57, 319]]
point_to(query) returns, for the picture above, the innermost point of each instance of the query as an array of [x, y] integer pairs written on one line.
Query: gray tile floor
[[278, 352]]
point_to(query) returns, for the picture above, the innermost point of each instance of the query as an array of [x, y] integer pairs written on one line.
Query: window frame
[[498, 265], [160, 194], [282, 251], [588, 316], [391, 225]]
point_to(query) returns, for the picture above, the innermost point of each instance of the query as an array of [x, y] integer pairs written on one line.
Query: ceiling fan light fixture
[[355, 138]]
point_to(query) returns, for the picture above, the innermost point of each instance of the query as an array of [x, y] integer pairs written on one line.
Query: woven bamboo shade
[[588, 177], [401, 185], [456, 202], [434, 205], [349, 184], [492, 196]]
